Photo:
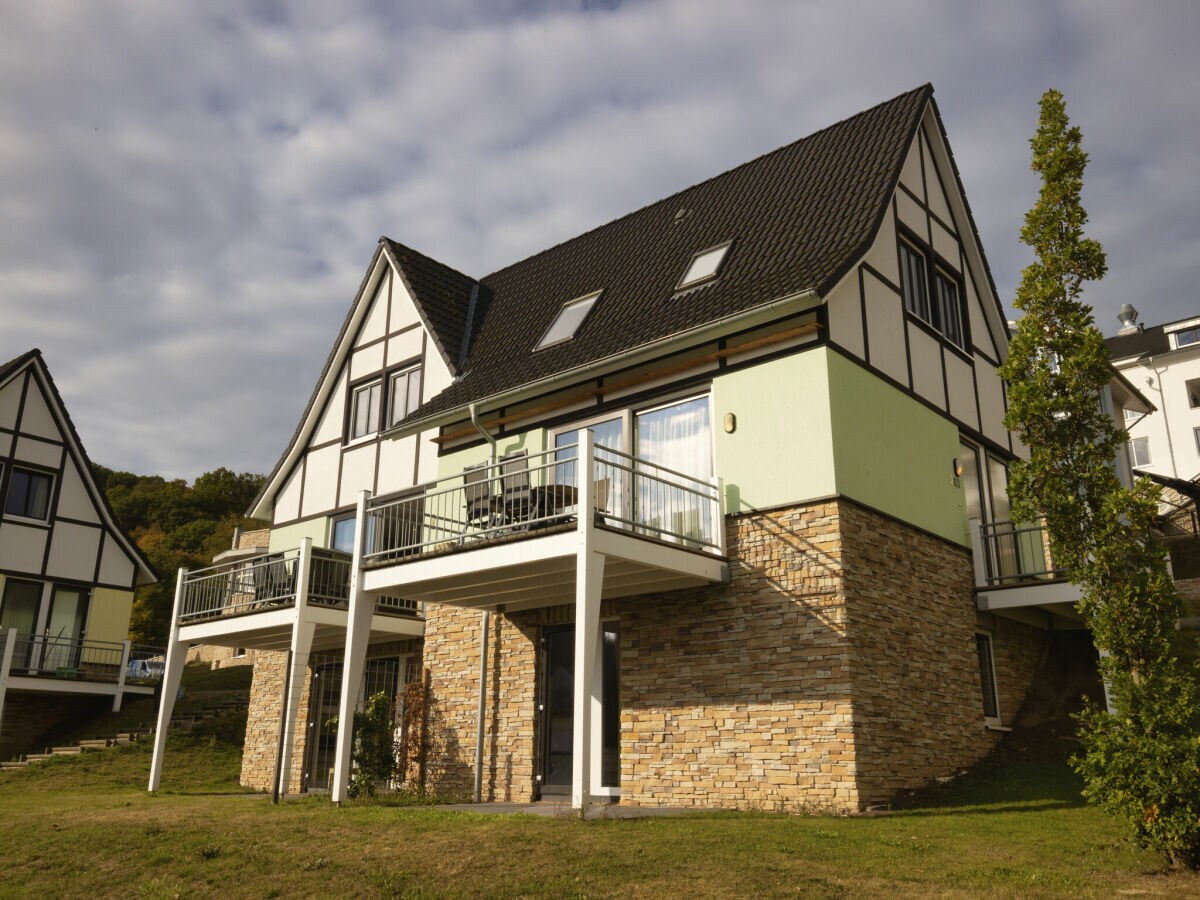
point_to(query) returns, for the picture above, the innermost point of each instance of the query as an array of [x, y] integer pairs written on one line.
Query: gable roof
[[33, 358], [1138, 343], [798, 217], [443, 297]]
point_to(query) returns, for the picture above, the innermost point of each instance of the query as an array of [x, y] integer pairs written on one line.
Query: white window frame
[[722, 253], [996, 719], [1192, 386], [590, 299], [1133, 454], [373, 427], [927, 316], [944, 274], [33, 470], [407, 374]]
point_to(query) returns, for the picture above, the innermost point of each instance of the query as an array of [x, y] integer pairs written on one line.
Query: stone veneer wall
[[261, 750], [1019, 652], [836, 668]]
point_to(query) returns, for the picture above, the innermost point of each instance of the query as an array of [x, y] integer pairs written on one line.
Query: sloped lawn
[[85, 827]]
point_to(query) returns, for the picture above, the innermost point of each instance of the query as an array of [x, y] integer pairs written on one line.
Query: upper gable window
[[569, 318], [704, 266], [364, 409], [943, 308], [404, 394], [29, 494]]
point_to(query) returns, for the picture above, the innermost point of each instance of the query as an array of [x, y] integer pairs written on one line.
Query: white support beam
[[358, 636], [116, 707], [172, 673], [10, 644], [589, 583], [302, 639]]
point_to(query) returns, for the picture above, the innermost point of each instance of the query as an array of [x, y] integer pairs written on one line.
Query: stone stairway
[[121, 738]]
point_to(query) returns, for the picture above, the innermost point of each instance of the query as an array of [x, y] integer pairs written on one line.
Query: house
[[67, 570], [704, 507], [1164, 362]]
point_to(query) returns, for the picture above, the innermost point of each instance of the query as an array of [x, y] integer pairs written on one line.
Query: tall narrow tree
[[1141, 762]]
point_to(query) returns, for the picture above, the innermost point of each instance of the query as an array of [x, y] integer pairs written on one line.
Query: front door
[[558, 706]]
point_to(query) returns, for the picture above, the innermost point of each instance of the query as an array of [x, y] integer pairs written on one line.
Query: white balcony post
[[975, 531], [718, 514], [116, 707], [589, 583], [358, 636], [302, 638], [10, 645], [172, 673]]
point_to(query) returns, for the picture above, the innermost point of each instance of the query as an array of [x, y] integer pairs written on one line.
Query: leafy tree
[[1141, 762], [176, 526], [374, 753]]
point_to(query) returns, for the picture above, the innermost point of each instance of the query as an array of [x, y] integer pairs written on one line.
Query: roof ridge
[[432, 259], [926, 88]]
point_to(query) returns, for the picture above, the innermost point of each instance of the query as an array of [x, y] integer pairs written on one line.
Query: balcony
[[508, 534], [1014, 569], [48, 664], [255, 602]]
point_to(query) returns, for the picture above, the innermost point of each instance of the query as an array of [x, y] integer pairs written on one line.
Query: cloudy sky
[[190, 192]]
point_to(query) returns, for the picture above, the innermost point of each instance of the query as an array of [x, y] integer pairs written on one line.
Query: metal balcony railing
[[1013, 554], [268, 582], [521, 495], [80, 659]]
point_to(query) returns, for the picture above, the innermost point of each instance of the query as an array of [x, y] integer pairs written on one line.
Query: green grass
[[86, 827]]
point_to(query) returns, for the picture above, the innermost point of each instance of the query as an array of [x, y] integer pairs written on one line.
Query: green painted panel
[[532, 441], [288, 537], [108, 615], [893, 453], [781, 450]]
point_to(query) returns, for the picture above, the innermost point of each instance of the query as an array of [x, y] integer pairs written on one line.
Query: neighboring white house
[[1163, 362]]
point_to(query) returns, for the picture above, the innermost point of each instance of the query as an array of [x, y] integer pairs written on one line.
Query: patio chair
[[517, 494], [477, 488]]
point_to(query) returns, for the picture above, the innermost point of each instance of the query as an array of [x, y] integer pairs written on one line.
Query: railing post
[[10, 646], [116, 707], [978, 551], [718, 513]]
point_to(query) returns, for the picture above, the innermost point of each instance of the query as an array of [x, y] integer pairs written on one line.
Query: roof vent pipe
[[1128, 318]]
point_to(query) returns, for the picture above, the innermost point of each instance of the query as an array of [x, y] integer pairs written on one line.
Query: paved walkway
[[562, 809]]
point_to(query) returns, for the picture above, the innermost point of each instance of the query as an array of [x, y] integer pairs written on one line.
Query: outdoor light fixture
[[730, 423], [958, 467]]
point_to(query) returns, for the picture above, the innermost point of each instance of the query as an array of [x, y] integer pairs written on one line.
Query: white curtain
[[678, 438]]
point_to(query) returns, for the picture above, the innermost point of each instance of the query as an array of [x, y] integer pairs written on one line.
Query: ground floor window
[[987, 678]]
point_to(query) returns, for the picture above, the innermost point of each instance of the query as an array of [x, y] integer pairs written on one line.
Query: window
[[364, 409], [1187, 337], [239, 652], [1196, 435], [341, 534], [704, 266], [913, 282], [1130, 415], [949, 306], [568, 320], [1139, 449], [1193, 392], [987, 678], [29, 494], [404, 394]]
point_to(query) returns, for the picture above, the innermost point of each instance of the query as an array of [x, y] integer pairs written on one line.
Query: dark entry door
[[558, 706]]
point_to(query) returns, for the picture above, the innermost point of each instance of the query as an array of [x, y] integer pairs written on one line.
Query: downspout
[[483, 640]]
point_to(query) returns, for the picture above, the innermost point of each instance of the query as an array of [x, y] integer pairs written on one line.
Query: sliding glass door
[[676, 443]]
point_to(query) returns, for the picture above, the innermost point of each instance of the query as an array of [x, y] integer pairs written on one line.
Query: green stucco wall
[[781, 449], [532, 441], [287, 537], [893, 453]]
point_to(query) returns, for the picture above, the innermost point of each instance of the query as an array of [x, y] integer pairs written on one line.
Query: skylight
[[570, 317], [704, 265]]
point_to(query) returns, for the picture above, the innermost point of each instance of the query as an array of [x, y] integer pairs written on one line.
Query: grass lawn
[[84, 826]]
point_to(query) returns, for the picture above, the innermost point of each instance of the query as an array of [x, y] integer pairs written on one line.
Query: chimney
[[1129, 323]]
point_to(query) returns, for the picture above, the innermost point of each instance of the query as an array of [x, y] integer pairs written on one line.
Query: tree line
[[175, 525]]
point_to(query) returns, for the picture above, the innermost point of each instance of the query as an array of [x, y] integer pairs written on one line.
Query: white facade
[[1167, 442]]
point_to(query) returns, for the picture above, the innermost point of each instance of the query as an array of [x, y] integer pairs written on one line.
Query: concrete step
[[66, 751], [96, 744], [36, 757], [14, 764]]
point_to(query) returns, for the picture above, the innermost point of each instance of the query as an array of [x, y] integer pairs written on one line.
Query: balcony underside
[[272, 629], [1055, 598], [541, 571], [48, 684]]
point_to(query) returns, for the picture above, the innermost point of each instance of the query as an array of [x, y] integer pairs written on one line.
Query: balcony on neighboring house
[[55, 665], [1014, 570]]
